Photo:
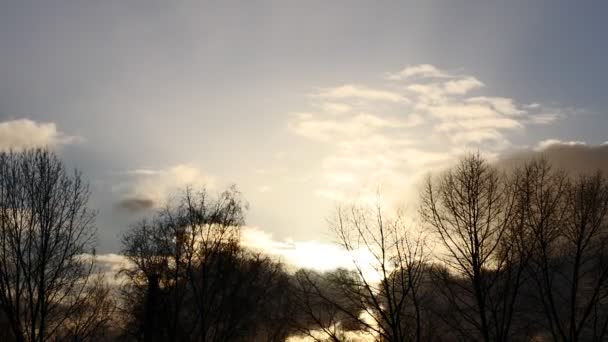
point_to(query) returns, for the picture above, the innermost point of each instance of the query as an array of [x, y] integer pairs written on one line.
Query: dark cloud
[[573, 158], [135, 204]]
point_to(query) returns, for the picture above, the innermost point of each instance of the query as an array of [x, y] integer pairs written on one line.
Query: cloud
[[462, 86], [396, 131], [264, 188], [503, 105], [143, 172], [320, 256], [335, 108], [328, 128], [136, 204], [150, 188], [359, 92], [420, 70], [575, 157], [545, 144], [110, 266], [544, 118], [25, 133], [466, 119]]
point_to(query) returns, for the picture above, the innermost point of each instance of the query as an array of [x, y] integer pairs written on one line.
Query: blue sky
[[302, 104]]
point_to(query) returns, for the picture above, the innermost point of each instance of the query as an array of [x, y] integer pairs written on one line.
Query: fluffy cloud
[[148, 188], [24, 133], [462, 86], [419, 119]]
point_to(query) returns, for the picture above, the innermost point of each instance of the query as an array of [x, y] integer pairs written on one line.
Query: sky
[[302, 104]]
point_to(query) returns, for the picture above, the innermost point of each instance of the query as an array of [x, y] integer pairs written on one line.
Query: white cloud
[[335, 108], [321, 256], [341, 178], [333, 195], [322, 128], [473, 120], [158, 185], [25, 133], [395, 132], [420, 70], [143, 172], [502, 105], [543, 145], [264, 189], [359, 92], [427, 93], [462, 86], [311, 254]]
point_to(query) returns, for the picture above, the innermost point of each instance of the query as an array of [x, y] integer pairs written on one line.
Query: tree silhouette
[[567, 224], [192, 281], [471, 208], [45, 228], [381, 296]]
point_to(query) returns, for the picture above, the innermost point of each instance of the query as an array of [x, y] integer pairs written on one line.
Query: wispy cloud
[[323, 128], [335, 107], [421, 70], [359, 92], [417, 119], [545, 144]]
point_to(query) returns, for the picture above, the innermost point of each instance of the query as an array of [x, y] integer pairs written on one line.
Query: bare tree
[[471, 208], [211, 243], [586, 238], [192, 281], [150, 248], [45, 226], [540, 211], [93, 318], [381, 297], [566, 221], [327, 304]]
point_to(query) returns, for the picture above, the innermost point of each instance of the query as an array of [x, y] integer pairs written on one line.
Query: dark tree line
[[525, 251], [499, 255], [192, 281], [518, 255]]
